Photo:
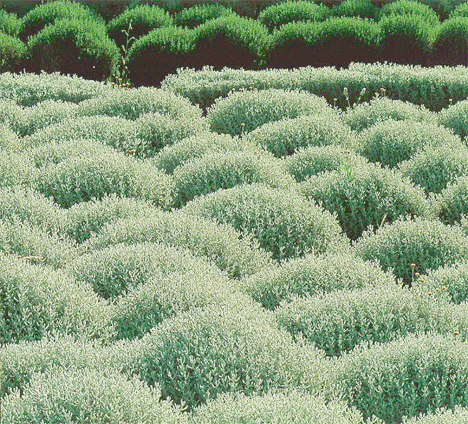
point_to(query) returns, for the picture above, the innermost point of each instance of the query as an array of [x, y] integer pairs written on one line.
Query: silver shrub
[[451, 205], [457, 415], [454, 117], [17, 169], [9, 139]]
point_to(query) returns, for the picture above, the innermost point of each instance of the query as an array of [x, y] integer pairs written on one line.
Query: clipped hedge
[[12, 52], [409, 7], [196, 15], [9, 23], [361, 8], [457, 415], [282, 221], [452, 203], [312, 275], [449, 46], [455, 117], [16, 169]]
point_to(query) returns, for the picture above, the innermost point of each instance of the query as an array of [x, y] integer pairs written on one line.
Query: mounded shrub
[[242, 112], [452, 203], [13, 115], [366, 114], [365, 196], [172, 156], [229, 347], [312, 275], [230, 41], [414, 31], [279, 14], [160, 53], [391, 142], [455, 117], [292, 407], [435, 167], [115, 270], [37, 300], [405, 377], [216, 171], [334, 42], [283, 222], [203, 237], [63, 395], [449, 46], [164, 296], [428, 244], [9, 23], [16, 169], [361, 8], [457, 415], [198, 14], [49, 13], [9, 140], [286, 136], [314, 160], [73, 47], [79, 179], [409, 7], [459, 10], [131, 104], [143, 19], [12, 52]]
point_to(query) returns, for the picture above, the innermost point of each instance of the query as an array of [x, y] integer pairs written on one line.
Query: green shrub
[[118, 269], [69, 396], [37, 300], [12, 52], [435, 167], [452, 204], [292, 407], [460, 10], [391, 142], [455, 117], [229, 347], [172, 156], [415, 374], [9, 23], [292, 11], [313, 275], [334, 42], [216, 171], [314, 160], [426, 243], [160, 53], [366, 114], [200, 13], [73, 47], [143, 18], [414, 31], [164, 296], [283, 222], [79, 179], [230, 41], [361, 8], [457, 415], [243, 112], [49, 13], [364, 196], [449, 46], [131, 104], [203, 237], [16, 169], [409, 7], [285, 136]]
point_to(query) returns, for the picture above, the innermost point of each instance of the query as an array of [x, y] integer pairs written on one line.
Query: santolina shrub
[[282, 221], [451, 205], [245, 111], [457, 415], [313, 275], [17, 169], [9, 140], [454, 117], [286, 136]]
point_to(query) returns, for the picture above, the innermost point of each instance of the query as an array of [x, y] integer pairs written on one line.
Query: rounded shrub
[[37, 300], [118, 269], [452, 203], [159, 53], [12, 52], [73, 47], [455, 117], [9, 23], [460, 10], [409, 7], [243, 112], [405, 377], [79, 179], [284, 223], [63, 395], [9, 140], [229, 347], [361, 8], [428, 244], [143, 18], [174, 155], [287, 135], [131, 104], [204, 237], [365, 196], [216, 171], [315, 160], [435, 167], [391, 142], [17, 169], [292, 407], [279, 14], [457, 415], [449, 46], [164, 296], [198, 14], [311, 275], [366, 114]]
